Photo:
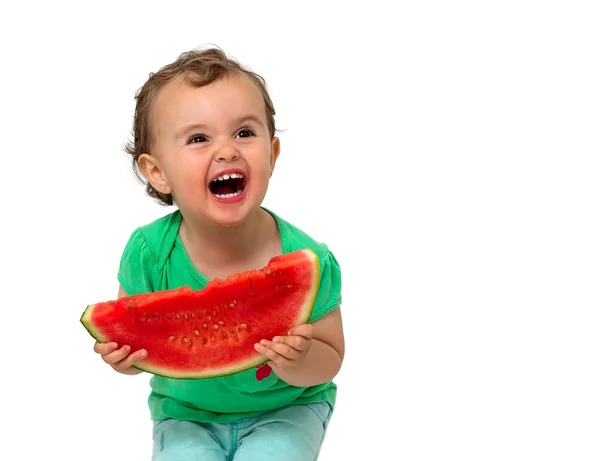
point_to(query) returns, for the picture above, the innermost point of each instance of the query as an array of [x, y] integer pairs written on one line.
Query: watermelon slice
[[194, 334]]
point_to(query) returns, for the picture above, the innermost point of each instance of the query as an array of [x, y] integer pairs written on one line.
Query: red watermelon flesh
[[211, 332]]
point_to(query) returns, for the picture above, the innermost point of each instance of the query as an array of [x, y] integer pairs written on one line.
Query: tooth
[[225, 176], [235, 194]]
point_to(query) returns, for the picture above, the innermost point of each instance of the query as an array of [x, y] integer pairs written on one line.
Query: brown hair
[[196, 67]]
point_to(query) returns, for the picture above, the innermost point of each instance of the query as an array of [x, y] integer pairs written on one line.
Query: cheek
[[188, 173], [262, 170], [263, 159]]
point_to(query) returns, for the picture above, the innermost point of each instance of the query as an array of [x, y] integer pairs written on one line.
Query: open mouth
[[228, 185]]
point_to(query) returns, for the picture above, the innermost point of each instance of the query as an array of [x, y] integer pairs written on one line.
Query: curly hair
[[198, 67]]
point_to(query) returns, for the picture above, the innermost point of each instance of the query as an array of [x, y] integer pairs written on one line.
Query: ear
[[275, 148], [150, 167]]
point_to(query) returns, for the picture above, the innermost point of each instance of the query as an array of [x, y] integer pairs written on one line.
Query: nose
[[226, 152]]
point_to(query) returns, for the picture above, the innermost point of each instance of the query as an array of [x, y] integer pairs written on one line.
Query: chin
[[229, 218]]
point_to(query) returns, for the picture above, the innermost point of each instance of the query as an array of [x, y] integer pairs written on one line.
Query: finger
[[271, 354], [117, 356], [304, 330], [103, 349], [126, 370], [282, 349], [127, 363], [298, 343]]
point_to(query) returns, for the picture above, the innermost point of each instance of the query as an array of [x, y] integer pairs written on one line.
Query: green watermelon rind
[[306, 313], [85, 319]]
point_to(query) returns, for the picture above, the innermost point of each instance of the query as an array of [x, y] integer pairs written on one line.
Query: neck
[[219, 246]]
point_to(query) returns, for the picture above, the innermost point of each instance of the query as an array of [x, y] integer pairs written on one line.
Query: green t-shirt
[[155, 259]]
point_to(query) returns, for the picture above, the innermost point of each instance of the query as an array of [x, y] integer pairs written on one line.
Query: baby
[[204, 141]]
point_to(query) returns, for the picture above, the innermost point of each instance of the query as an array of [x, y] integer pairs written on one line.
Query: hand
[[120, 359], [286, 351]]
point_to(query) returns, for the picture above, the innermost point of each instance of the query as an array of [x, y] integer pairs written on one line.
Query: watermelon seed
[[193, 315], [243, 325], [185, 340], [178, 317], [231, 305], [171, 338], [216, 327], [208, 318], [221, 323], [196, 332], [289, 286], [215, 313], [268, 271], [204, 325], [186, 316], [212, 338]]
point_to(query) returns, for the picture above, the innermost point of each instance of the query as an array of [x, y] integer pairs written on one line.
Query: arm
[[311, 354], [122, 293]]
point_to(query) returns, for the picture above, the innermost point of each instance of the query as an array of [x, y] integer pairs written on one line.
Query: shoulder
[[153, 234], [295, 238], [145, 252], [330, 290], [155, 231]]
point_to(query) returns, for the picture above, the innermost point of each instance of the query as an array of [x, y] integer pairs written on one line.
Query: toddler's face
[[216, 131]]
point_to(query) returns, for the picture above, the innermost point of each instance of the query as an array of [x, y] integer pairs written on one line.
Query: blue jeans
[[291, 433]]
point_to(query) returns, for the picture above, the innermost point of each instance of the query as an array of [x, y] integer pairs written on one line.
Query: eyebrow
[[238, 121]]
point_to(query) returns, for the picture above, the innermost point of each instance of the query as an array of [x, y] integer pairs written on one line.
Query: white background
[[447, 152]]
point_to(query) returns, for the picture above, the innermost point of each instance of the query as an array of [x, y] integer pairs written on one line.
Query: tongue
[[223, 190]]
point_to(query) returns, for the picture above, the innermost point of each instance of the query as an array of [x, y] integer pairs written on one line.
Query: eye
[[245, 133], [197, 138]]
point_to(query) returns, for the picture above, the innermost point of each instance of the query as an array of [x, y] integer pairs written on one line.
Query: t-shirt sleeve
[[330, 290], [136, 265]]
